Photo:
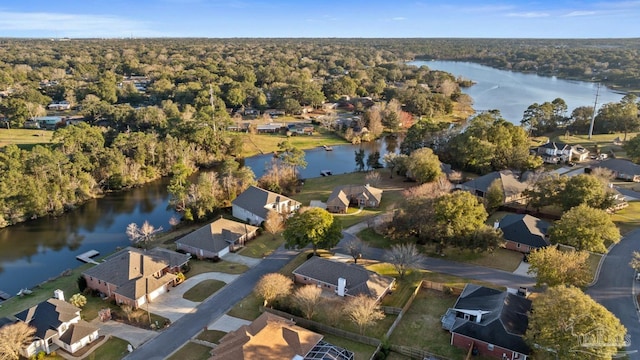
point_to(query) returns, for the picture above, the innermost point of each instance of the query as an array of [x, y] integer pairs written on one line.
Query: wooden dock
[[87, 257]]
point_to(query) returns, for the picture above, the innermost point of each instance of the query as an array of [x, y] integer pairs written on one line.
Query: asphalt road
[[189, 325], [615, 285]]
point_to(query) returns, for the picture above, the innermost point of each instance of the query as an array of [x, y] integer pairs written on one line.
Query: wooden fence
[[441, 287], [416, 353]]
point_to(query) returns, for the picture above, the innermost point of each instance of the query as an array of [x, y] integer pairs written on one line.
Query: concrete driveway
[[227, 323], [173, 306], [133, 335]]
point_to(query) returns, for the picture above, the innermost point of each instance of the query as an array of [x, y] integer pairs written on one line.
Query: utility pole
[[593, 116], [213, 110]]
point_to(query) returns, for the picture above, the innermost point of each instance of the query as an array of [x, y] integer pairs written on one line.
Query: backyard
[[24, 138]]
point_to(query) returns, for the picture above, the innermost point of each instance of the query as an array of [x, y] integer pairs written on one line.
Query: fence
[[415, 353], [312, 325], [441, 287]]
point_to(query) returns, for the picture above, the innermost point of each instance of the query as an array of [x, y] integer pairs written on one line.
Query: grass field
[[114, 349], [203, 290], [24, 138], [268, 143], [191, 351], [262, 246]]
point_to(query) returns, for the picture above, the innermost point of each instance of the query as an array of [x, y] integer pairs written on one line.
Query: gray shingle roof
[[217, 235], [342, 194], [47, 316], [359, 279], [620, 166], [525, 229], [511, 185], [504, 324], [254, 200]]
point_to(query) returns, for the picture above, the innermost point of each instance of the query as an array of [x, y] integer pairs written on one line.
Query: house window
[[518, 245], [467, 316], [490, 347]]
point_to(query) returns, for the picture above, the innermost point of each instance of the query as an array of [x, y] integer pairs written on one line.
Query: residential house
[[62, 105], [217, 239], [622, 169], [512, 186], [579, 153], [343, 279], [271, 337], [555, 152], [254, 204], [524, 233], [359, 195], [48, 122], [57, 324], [490, 322], [133, 276], [269, 128]]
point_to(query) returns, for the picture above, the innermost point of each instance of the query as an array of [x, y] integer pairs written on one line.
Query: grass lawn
[[68, 284], [212, 336], [203, 290], [424, 318], [204, 266], [248, 308], [360, 350], [604, 142], [24, 138], [268, 143], [628, 218], [114, 349], [594, 260], [262, 246], [191, 351], [500, 258], [373, 239]]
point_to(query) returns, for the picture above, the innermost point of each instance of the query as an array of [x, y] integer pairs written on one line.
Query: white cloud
[[531, 14], [398, 18], [65, 24], [580, 13]]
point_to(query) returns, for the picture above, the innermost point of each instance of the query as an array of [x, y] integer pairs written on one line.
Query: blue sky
[[329, 18]]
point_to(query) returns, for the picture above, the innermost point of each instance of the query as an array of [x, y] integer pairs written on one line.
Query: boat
[[24, 291], [327, 148], [325, 172], [4, 296]]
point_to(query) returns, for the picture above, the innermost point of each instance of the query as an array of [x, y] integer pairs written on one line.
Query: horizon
[[242, 19]]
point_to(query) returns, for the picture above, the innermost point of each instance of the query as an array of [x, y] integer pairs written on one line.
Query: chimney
[[496, 224], [58, 294], [342, 283]]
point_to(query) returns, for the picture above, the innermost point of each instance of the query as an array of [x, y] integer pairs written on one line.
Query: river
[[513, 92], [37, 250]]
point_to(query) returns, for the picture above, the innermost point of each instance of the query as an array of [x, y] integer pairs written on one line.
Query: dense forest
[[163, 107]]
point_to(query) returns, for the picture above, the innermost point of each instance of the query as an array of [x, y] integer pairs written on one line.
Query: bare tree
[[141, 234], [274, 223], [363, 311], [13, 338], [307, 299], [272, 286], [127, 310], [404, 257], [373, 178], [356, 248]]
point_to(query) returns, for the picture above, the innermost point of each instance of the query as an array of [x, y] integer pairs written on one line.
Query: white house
[[254, 204]]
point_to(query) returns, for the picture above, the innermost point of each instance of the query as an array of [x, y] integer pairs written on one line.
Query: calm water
[[512, 92], [35, 251]]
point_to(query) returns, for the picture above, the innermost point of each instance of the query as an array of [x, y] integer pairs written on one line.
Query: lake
[[512, 93], [35, 251]]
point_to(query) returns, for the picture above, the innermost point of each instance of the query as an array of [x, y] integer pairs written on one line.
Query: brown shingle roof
[[77, 332], [267, 337], [342, 194], [217, 235], [254, 200], [47, 316]]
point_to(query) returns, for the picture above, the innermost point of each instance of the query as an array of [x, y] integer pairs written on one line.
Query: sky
[[320, 18]]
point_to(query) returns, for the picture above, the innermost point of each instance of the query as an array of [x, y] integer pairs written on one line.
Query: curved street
[[616, 286]]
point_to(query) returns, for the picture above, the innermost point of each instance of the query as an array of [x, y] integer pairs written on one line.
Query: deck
[[87, 256]]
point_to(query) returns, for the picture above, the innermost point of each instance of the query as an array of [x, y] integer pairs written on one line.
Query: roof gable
[[511, 185], [47, 316], [342, 194], [525, 229], [217, 235], [255, 200]]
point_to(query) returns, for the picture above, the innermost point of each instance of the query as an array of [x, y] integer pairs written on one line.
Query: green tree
[[494, 197], [585, 228], [313, 226], [424, 165], [563, 318], [373, 160], [635, 261], [393, 162], [273, 286], [546, 191], [632, 147], [585, 189], [457, 216], [554, 267]]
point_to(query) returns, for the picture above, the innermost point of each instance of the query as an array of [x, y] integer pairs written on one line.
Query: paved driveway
[[173, 306], [134, 335]]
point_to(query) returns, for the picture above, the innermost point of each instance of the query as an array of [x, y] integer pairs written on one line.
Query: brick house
[[217, 239], [343, 279], [358, 195], [524, 233], [512, 186], [134, 276], [490, 322]]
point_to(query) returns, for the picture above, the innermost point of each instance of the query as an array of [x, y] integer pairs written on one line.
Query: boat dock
[[4, 296], [325, 172], [87, 257]]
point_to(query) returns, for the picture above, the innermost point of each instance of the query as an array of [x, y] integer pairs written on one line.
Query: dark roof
[[5, 321], [359, 279], [620, 166], [217, 235], [511, 185], [254, 200], [342, 194], [47, 316], [554, 145], [77, 332], [525, 229], [504, 321]]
